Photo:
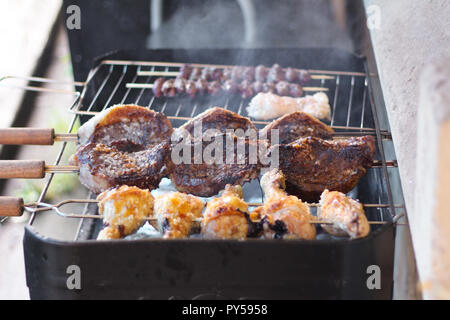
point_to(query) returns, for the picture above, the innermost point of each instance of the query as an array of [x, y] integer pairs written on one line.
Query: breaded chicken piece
[[283, 216], [227, 217], [346, 214], [175, 212], [124, 210]]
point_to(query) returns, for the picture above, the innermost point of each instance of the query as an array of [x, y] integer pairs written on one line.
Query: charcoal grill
[[329, 268]]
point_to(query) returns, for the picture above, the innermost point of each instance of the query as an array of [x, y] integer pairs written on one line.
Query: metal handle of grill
[[32, 136], [22, 169], [11, 207]]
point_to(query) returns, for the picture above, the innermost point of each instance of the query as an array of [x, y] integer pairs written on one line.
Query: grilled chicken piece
[[283, 216], [124, 211], [346, 214], [129, 123], [312, 165], [265, 106], [296, 125], [175, 212], [203, 168], [216, 118], [102, 167], [227, 217]]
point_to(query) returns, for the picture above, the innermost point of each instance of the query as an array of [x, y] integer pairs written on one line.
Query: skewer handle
[[32, 136], [11, 207], [22, 169]]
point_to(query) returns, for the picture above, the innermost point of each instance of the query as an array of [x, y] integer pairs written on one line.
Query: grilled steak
[[312, 165], [297, 125], [102, 167], [131, 123], [206, 177], [218, 119]]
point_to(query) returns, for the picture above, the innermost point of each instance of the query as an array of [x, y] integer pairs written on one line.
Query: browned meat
[[227, 216], [282, 215], [196, 73], [185, 71], [207, 177], [261, 73], [231, 87], [216, 118], [275, 74], [312, 165], [214, 88], [128, 123], [102, 167], [282, 88], [168, 88], [157, 87], [246, 89], [296, 125]]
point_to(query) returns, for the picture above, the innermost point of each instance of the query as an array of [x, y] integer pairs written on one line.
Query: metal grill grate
[[126, 82]]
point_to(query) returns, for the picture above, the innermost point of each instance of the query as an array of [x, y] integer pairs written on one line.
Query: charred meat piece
[[295, 90], [275, 74], [304, 77], [227, 217], [176, 212], [258, 87], [248, 74], [128, 123], [157, 87], [214, 88], [282, 88], [246, 89], [261, 73], [195, 74], [296, 125], [180, 85], [201, 86], [124, 211], [216, 74], [185, 71], [217, 119], [168, 88], [283, 216], [206, 74], [291, 75], [191, 89], [346, 214], [231, 87], [312, 165], [208, 166], [102, 167]]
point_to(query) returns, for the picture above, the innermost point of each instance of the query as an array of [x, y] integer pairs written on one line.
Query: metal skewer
[[35, 207], [176, 73], [150, 86]]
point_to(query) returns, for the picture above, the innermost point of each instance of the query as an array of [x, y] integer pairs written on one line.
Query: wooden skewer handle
[[34, 136], [22, 169], [11, 207]]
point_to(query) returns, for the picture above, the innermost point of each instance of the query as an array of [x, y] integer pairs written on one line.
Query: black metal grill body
[[327, 268]]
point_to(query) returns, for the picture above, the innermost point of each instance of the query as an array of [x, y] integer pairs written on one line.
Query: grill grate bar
[[102, 86], [180, 64], [336, 92], [350, 101]]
